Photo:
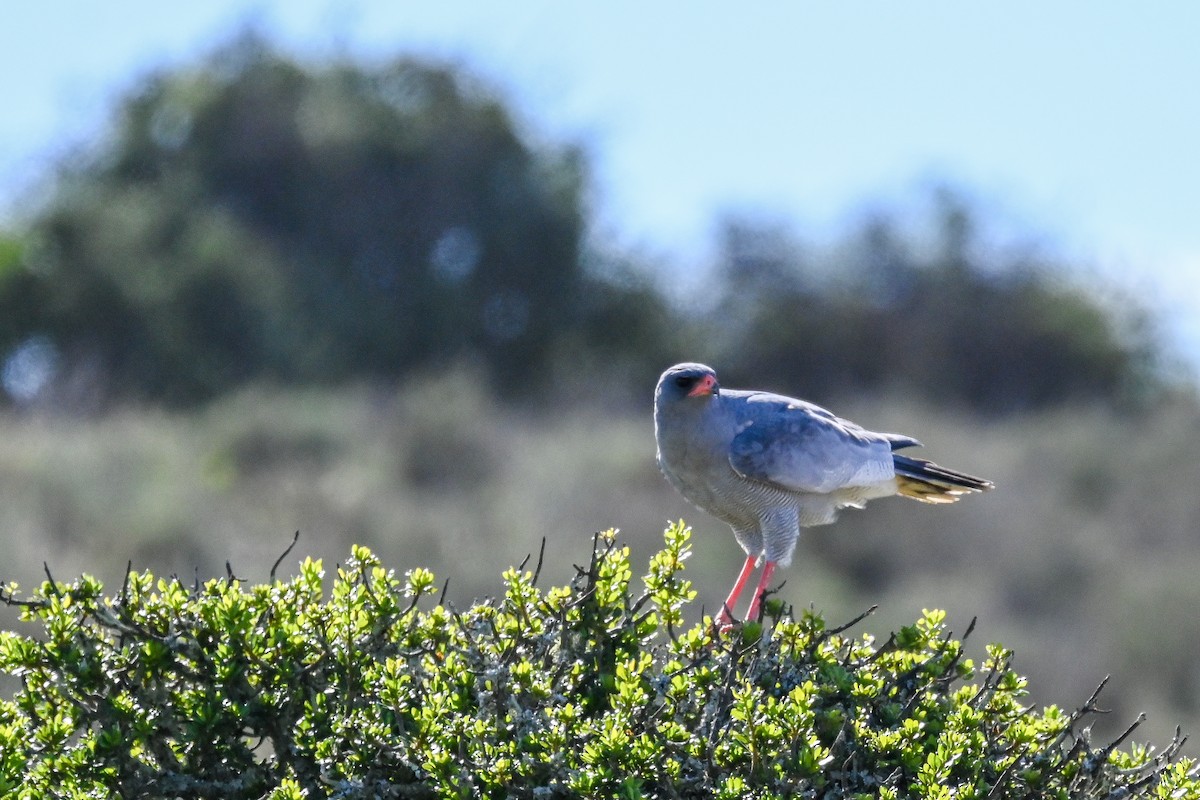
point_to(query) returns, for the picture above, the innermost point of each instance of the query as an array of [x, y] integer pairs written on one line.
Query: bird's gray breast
[[694, 456]]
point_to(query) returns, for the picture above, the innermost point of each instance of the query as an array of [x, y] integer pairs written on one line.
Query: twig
[[53, 583], [537, 571], [124, 596], [1107, 751], [9, 599], [1090, 706], [841, 628], [997, 789], [283, 555]]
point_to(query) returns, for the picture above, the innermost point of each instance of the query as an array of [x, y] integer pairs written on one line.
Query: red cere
[[707, 385]]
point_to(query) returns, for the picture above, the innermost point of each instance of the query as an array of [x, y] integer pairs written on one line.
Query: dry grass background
[[1085, 559]]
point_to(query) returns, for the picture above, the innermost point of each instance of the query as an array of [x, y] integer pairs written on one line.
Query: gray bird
[[770, 465]]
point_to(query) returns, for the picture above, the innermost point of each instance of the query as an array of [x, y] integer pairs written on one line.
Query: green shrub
[[370, 687]]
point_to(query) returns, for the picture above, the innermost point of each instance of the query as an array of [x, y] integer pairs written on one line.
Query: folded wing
[[804, 448]]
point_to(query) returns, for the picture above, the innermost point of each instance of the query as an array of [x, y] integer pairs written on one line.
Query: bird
[[769, 465]]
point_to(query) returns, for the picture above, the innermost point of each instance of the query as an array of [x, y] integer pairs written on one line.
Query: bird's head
[[687, 381]]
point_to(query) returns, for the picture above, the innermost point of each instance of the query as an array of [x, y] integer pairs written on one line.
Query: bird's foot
[[724, 622]]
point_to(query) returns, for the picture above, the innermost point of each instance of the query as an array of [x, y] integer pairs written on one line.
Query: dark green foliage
[[367, 688], [952, 321], [256, 217]]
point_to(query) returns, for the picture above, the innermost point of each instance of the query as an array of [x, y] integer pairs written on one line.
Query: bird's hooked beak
[[707, 386]]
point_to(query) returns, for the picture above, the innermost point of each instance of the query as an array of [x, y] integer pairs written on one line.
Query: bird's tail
[[925, 481]]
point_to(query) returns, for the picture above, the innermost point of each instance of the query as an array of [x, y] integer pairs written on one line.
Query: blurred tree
[[12, 250], [258, 217], [953, 321]]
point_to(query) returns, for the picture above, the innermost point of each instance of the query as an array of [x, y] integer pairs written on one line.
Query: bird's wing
[[804, 448]]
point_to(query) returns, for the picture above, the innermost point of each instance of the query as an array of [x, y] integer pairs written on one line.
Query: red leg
[[752, 614], [725, 618]]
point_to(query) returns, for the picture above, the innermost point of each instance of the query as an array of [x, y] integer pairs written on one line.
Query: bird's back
[[804, 448]]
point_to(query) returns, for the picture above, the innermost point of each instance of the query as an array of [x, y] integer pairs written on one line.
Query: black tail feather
[[931, 483]]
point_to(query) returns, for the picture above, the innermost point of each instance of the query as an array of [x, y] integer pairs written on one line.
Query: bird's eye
[[684, 382]]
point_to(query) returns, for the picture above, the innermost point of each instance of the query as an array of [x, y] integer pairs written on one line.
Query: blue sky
[[1076, 121]]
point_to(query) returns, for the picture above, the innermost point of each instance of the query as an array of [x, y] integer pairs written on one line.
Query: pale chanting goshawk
[[770, 465]]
